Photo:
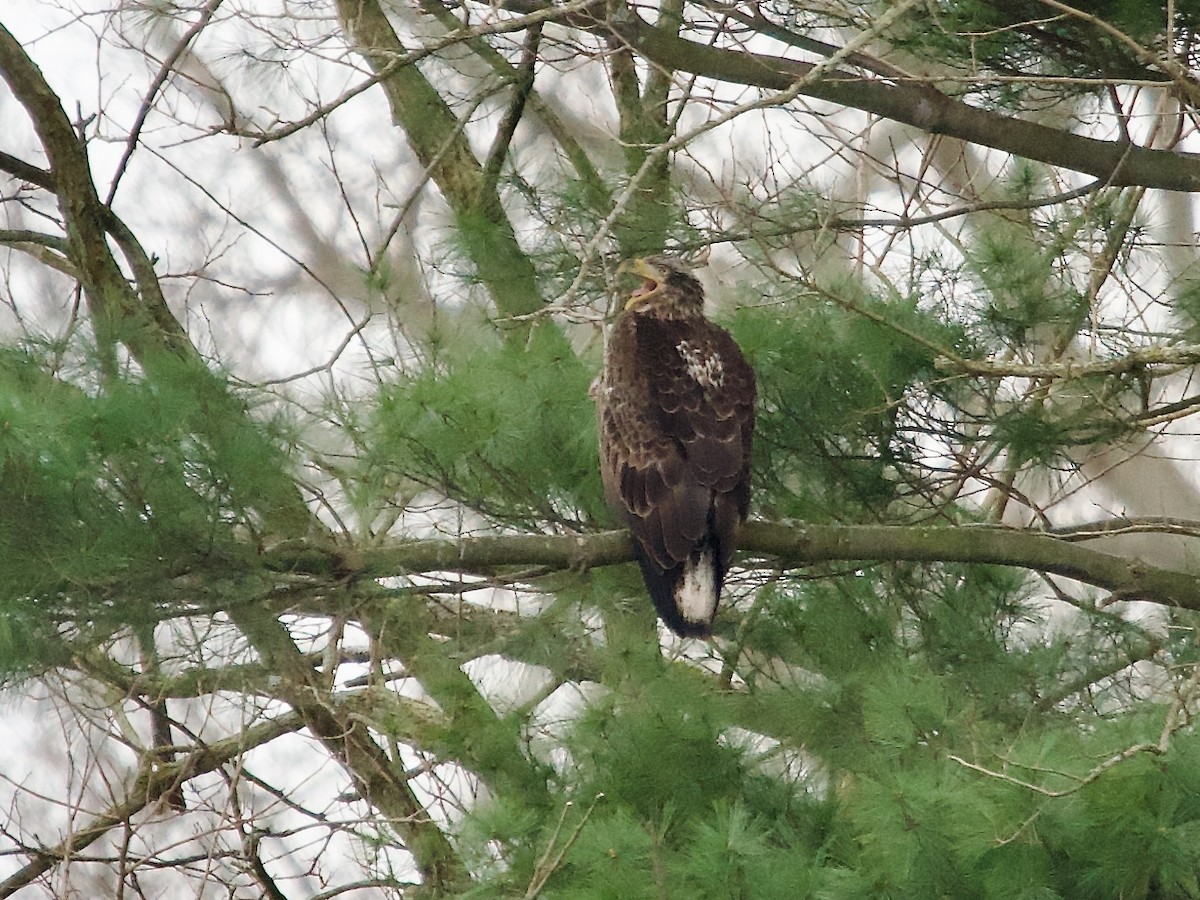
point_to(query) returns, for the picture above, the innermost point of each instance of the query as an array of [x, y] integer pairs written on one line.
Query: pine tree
[[307, 585]]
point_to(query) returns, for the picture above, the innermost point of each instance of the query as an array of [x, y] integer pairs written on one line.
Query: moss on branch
[[789, 546]]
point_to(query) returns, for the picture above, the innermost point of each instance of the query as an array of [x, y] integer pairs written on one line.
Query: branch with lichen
[[1136, 360], [781, 545]]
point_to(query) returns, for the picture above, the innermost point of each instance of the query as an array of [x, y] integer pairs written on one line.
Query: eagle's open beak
[[652, 280]]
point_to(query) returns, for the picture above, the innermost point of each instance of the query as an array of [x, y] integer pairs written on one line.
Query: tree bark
[[920, 105], [789, 546]]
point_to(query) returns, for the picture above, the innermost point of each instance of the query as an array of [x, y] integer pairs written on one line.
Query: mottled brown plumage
[[675, 413]]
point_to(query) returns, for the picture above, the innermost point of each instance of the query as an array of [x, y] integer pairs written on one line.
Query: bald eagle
[[675, 415]]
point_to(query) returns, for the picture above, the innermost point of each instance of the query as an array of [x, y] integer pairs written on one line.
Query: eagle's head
[[668, 288]]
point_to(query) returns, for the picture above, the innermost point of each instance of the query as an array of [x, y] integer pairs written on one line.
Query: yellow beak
[[653, 280]]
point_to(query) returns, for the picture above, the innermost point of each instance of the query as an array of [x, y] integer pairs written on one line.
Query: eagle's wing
[[675, 432]]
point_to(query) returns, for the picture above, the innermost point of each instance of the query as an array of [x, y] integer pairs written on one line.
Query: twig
[[156, 84], [462, 35], [591, 249], [1177, 73], [153, 781], [546, 867], [1081, 782]]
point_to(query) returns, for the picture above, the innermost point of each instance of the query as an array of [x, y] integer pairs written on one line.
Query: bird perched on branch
[[675, 414]]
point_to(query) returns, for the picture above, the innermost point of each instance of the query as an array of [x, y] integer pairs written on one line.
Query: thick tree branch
[[790, 546], [18, 168], [559, 130], [48, 249], [378, 778], [140, 320], [436, 137], [1138, 359], [1131, 579], [82, 212], [919, 105]]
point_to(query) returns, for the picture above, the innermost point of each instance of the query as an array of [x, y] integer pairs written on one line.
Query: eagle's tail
[[686, 595]]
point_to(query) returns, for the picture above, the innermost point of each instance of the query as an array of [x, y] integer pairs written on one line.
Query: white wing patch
[[703, 366]]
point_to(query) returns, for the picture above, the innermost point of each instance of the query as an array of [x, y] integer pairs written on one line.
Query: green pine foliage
[[675, 806], [507, 431], [926, 770], [856, 730], [1185, 300], [936, 743], [1038, 433], [1019, 37], [837, 393], [923, 739], [105, 493]]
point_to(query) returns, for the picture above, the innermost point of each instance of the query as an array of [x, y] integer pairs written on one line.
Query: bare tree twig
[[153, 781], [1080, 782], [1177, 73], [156, 84], [546, 866]]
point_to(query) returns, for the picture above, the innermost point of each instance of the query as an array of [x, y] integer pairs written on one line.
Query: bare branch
[[380, 780], [153, 781], [522, 89], [1188, 87], [156, 83]]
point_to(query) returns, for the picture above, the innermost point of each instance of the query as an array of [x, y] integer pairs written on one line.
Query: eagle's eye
[[679, 278]]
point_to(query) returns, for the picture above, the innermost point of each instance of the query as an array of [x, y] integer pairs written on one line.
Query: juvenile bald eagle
[[675, 413]]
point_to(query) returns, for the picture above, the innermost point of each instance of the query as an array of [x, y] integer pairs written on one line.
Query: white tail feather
[[696, 593]]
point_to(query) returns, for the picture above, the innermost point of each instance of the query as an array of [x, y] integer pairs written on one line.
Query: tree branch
[[154, 780], [379, 779], [140, 320], [521, 90], [437, 139], [82, 212], [919, 105], [560, 131], [48, 249], [156, 84], [1187, 86], [1135, 360], [790, 546]]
